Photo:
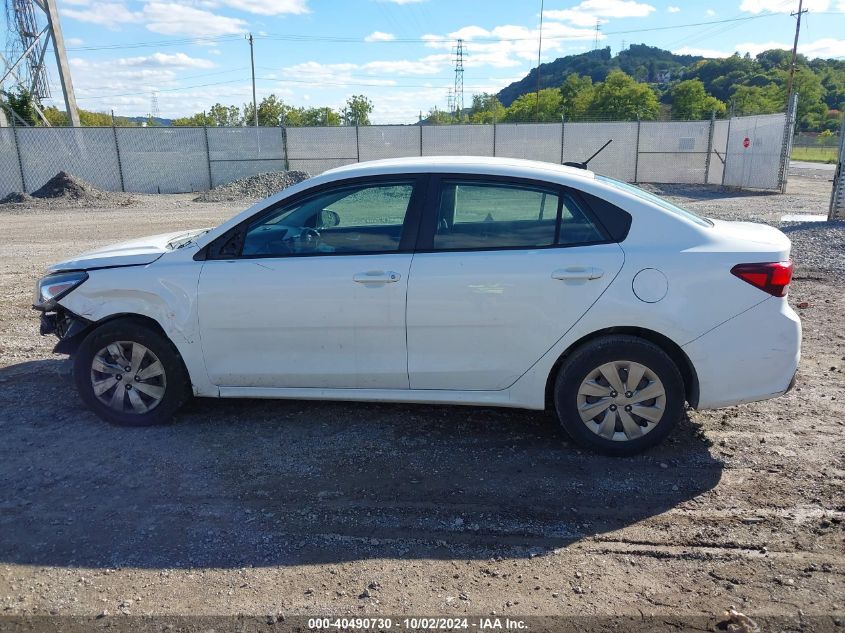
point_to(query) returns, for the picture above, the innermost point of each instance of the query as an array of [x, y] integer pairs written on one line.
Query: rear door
[[503, 268]]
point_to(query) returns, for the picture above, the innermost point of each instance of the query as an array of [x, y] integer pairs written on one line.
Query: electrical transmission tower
[[596, 40], [154, 112], [450, 103], [33, 27], [458, 94]]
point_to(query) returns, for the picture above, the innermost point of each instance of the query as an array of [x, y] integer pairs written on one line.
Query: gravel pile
[[65, 188], [817, 247], [254, 187]]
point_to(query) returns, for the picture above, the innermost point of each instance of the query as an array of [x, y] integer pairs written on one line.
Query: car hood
[[139, 252]]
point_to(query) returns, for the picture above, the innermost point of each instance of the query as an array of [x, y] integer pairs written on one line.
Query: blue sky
[[192, 53]]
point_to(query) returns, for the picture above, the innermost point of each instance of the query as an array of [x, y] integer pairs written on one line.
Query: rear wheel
[[130, 375], [619, 395]]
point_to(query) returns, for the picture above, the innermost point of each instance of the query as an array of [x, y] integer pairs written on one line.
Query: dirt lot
[[261, 507]]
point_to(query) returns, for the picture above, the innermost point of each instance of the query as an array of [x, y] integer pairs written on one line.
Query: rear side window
[[479, 215]]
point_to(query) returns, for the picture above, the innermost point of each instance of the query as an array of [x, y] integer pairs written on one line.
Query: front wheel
[[619, 395], [130, 375]]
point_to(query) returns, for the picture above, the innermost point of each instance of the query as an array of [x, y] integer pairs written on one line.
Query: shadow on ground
[[240, 483]]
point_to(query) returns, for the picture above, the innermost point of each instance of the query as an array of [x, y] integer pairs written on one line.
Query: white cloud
[[589, 11], [508, 45], [672, 9], [270, 7], [779, 6], [169, 18], [107, 14], [380, 36], [710, 12], [402, 1], [827, 47], [74, 41], [166, 60]]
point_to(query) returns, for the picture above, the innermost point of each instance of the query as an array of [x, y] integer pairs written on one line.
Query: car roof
[[460, 164]]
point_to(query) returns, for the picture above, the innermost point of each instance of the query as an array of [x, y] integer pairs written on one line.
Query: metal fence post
[[207, 153], [727, 148], [494, 138], [637, 154], [18, 150], [837, 194], [562, 135], [709, 148], [357, 143], [117, 150], [421, 136], [786, 147], [285, 144]]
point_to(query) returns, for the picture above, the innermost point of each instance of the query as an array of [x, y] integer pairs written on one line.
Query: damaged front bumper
[[68, 327]]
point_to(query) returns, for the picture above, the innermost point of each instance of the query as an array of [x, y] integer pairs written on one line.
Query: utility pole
[[801, 10], [539, 57], [61, 61], [252, 63]]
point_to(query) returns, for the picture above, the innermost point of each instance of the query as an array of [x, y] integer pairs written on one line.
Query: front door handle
[[377, 277], [574, 273]]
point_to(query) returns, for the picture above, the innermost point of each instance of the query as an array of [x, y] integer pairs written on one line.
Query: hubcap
[[621, 400], [128, 377]]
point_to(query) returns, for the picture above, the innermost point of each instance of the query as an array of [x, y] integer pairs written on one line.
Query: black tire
[[175, 380], [617, 349]]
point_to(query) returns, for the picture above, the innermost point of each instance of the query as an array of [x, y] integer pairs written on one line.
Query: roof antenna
[[583, 165]]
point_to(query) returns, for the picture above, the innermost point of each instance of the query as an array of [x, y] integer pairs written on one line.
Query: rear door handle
[[578, 273], [377, 277]]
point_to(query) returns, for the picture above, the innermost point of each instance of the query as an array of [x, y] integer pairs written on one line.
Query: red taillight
[[772, 277]]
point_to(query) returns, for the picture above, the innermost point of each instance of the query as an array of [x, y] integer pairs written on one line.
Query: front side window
[[354, 219], [477, 215]]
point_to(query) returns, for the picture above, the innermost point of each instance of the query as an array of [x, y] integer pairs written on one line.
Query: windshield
[[650, 197]]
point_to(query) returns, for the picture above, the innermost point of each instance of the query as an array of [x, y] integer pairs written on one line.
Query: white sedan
[[476, 281]]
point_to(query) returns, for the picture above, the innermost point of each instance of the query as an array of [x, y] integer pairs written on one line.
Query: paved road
[[804, 164]]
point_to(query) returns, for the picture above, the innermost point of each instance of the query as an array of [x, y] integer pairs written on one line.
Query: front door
[[315, 297], [508, 268]]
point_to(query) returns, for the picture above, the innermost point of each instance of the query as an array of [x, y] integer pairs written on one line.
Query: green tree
[[439, 117], [528, 108], [757, 100], [21, 102], [224, 116], [197, 120], [576, 94], [621, 98], [271, 112], [486, 108], [690, 101], [357, 110], [318, 117], [811, 106]]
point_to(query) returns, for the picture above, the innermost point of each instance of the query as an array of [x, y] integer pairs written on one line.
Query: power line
[[416, 40]]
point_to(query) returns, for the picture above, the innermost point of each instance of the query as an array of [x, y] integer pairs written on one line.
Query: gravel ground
[[255, 187], [262, 507]]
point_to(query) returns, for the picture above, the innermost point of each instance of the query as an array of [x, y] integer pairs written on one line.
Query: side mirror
[[328, 219]]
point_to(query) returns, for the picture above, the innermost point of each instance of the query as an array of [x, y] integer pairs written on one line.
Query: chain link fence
[[745, 152], [837, 196]]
